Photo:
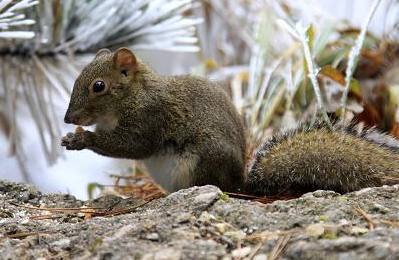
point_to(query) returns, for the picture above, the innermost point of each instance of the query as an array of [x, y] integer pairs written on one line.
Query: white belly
[[161, 167]]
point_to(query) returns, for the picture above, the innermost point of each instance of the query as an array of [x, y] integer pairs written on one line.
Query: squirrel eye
[[98, 86]]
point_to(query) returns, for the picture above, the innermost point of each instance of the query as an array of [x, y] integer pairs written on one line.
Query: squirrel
[[188, 133]]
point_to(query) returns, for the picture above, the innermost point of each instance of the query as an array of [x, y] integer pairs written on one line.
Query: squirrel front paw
[[75, 141]]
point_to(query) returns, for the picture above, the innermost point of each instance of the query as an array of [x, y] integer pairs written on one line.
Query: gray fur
[[184, 115]]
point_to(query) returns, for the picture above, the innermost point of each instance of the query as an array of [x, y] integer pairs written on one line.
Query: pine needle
[[279, 247], [354, 55], [370, 222]]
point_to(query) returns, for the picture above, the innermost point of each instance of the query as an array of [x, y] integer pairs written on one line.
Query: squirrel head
[[101, 86]]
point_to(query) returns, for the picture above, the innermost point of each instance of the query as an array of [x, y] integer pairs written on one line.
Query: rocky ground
[[200, 223]]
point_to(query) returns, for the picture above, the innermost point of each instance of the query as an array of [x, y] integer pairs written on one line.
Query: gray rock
[[202, 223]]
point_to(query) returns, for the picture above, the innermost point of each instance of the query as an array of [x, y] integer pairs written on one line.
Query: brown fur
[[185, 115], [189, 125], [307, 159]]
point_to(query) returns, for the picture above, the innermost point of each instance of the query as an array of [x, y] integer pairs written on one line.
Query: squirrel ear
[[102, 52], [124, 59]]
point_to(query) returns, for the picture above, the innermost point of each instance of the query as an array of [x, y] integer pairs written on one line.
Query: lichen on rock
[[199, 223]]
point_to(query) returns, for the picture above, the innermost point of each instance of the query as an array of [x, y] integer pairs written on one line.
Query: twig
[[154, 195], [132, 177], [255, 251], [370, 222], [83, 210], [147, 189], [22, 235], [391, 223], [264, 199], [123, 211], [241, 196], [95, 212], [43, 217], [279, 247]]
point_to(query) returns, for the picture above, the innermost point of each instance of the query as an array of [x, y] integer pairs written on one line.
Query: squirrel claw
[[73, 141]]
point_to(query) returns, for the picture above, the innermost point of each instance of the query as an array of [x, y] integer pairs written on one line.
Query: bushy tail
[[307, 158]]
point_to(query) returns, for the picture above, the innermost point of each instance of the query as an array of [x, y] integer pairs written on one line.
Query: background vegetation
[[282, 62]]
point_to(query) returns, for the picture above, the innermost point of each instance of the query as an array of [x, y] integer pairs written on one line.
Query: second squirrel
[[188, 133]]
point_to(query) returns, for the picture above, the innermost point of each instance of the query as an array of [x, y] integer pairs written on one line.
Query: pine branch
[[10, 18], [43, 46]]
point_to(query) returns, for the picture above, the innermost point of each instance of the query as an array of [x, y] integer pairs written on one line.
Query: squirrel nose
[[69, 118]]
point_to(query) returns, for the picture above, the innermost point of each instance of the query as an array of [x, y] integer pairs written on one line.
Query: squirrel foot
[[75, 141]]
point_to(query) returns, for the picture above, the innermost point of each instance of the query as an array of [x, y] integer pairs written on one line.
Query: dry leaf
[[333, 74]]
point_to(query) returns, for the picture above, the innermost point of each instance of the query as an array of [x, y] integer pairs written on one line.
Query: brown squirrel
[[188, 132]]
